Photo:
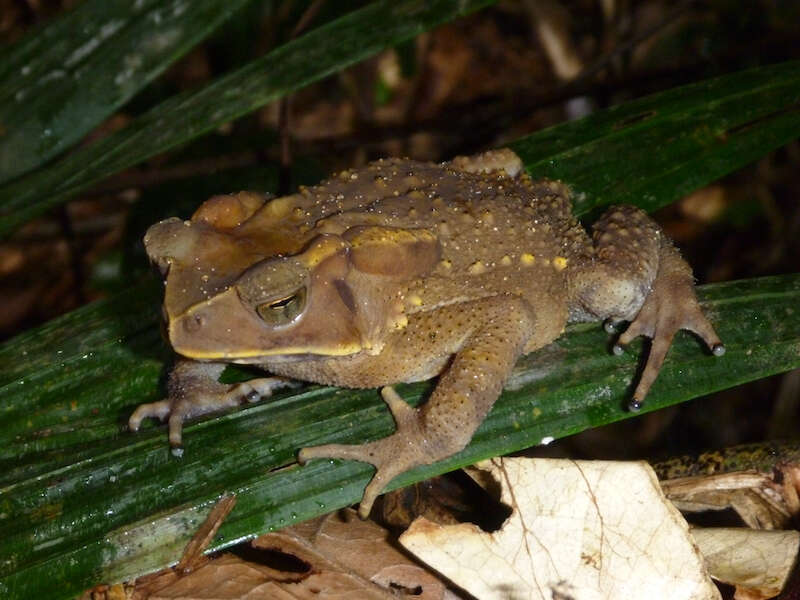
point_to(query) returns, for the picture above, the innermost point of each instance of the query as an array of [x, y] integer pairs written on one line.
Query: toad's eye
[[283, 310]]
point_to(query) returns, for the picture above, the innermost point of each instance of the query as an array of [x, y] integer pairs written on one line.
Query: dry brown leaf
[[758, 563], [232, 578], [583, 529], [755, 497], [335, 557], [364, 548]]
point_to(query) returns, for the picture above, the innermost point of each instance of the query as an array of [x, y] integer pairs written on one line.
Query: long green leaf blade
[[309, 58], [114, 504], [651, 151], [65, 79]]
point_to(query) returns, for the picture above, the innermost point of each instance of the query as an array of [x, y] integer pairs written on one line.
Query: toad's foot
[[392, 455], [635, 274], [671, 305], [193, 390]]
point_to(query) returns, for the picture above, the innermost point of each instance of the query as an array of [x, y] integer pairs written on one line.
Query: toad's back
[[498, 234]]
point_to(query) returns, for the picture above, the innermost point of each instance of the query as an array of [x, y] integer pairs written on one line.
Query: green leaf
[[309, 58], [651, 151], [63, 80], [82, 500]]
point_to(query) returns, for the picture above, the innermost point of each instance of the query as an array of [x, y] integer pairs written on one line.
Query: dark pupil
[[284, 309], [283, 302]]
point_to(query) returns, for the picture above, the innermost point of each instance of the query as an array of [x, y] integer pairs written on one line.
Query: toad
[[398, 272]]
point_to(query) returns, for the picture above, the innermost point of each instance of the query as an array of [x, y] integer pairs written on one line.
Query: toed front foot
[[193, 390], [392, 455]]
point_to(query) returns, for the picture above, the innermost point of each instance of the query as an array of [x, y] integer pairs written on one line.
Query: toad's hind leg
[[193, 390], [637, 275]]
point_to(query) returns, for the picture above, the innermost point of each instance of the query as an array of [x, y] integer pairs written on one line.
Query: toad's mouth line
[[255, 356]]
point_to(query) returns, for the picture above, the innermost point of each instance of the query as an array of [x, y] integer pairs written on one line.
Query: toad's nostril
[[193, 323]]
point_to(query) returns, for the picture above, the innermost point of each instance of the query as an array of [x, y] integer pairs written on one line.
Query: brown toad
[[397, 272]]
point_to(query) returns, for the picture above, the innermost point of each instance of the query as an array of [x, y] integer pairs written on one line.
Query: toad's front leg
[[637, 275], [193, 390], [492, 333]]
